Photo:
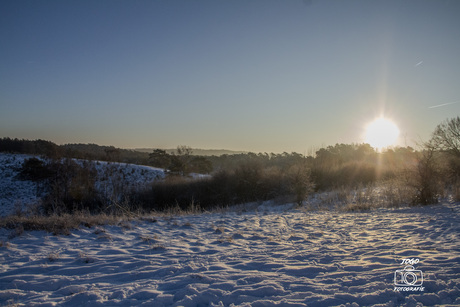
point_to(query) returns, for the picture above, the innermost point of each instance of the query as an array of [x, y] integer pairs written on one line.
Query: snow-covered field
[[256, 258], [251, 255]]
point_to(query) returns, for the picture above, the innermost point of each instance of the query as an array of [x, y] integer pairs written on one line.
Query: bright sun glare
[[381, 133]]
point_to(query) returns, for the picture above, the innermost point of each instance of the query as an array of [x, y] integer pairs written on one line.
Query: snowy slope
[[111, 177], [258, 258], [122, 177], [14, 192]]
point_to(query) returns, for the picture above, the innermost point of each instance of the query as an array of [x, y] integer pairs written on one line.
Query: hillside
[[16, 193], [198, 152]]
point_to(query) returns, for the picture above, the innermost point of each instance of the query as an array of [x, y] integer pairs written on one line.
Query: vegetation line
[[356, 176]]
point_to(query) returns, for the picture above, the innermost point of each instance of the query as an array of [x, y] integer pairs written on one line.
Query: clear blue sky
[[262, 75]]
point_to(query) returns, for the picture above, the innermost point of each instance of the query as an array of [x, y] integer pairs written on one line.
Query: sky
[[261, 76]]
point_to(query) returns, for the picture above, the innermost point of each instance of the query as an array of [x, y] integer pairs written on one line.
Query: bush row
[[70, 187], [247, 183]]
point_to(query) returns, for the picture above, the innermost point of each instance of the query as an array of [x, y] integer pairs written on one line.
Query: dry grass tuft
[[53, 256], [99, 230], [105, 236], [85, 257], [102, 234], [226, 239], [56, 224], [148, 239], [220, 230], [5, 244], [11, 303], [157, 247], [126, 225]]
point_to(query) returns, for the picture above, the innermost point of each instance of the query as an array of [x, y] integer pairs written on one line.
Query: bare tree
[[446, 136], [183, 150]]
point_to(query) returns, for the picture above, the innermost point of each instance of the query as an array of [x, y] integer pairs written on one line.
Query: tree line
[[244, 177]]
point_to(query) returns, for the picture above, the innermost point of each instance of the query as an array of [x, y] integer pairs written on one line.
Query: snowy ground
[[262, 257], [253, 255]]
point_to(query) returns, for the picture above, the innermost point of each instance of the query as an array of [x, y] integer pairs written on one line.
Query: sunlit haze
[[262, 76]]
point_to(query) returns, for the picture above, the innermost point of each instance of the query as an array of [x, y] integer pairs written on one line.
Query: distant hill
[[199, 152], [94, 151]]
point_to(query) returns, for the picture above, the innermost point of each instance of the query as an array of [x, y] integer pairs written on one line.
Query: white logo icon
[[408, 277]]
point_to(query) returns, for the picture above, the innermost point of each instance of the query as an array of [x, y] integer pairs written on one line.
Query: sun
[[381, 133]]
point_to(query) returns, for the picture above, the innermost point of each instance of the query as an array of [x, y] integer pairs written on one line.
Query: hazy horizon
[[258, 76]]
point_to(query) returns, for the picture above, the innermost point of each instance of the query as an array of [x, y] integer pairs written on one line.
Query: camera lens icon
[[409, 276]]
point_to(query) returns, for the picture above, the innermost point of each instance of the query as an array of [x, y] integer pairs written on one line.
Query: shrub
[[425, 178], [300, 183], [72, 188], [34, 169], [248, 183]]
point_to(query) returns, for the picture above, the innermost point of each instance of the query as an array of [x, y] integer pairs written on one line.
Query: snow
[[15, 193], [261, 254], [115, 178], [112, 179], [259, 258]]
